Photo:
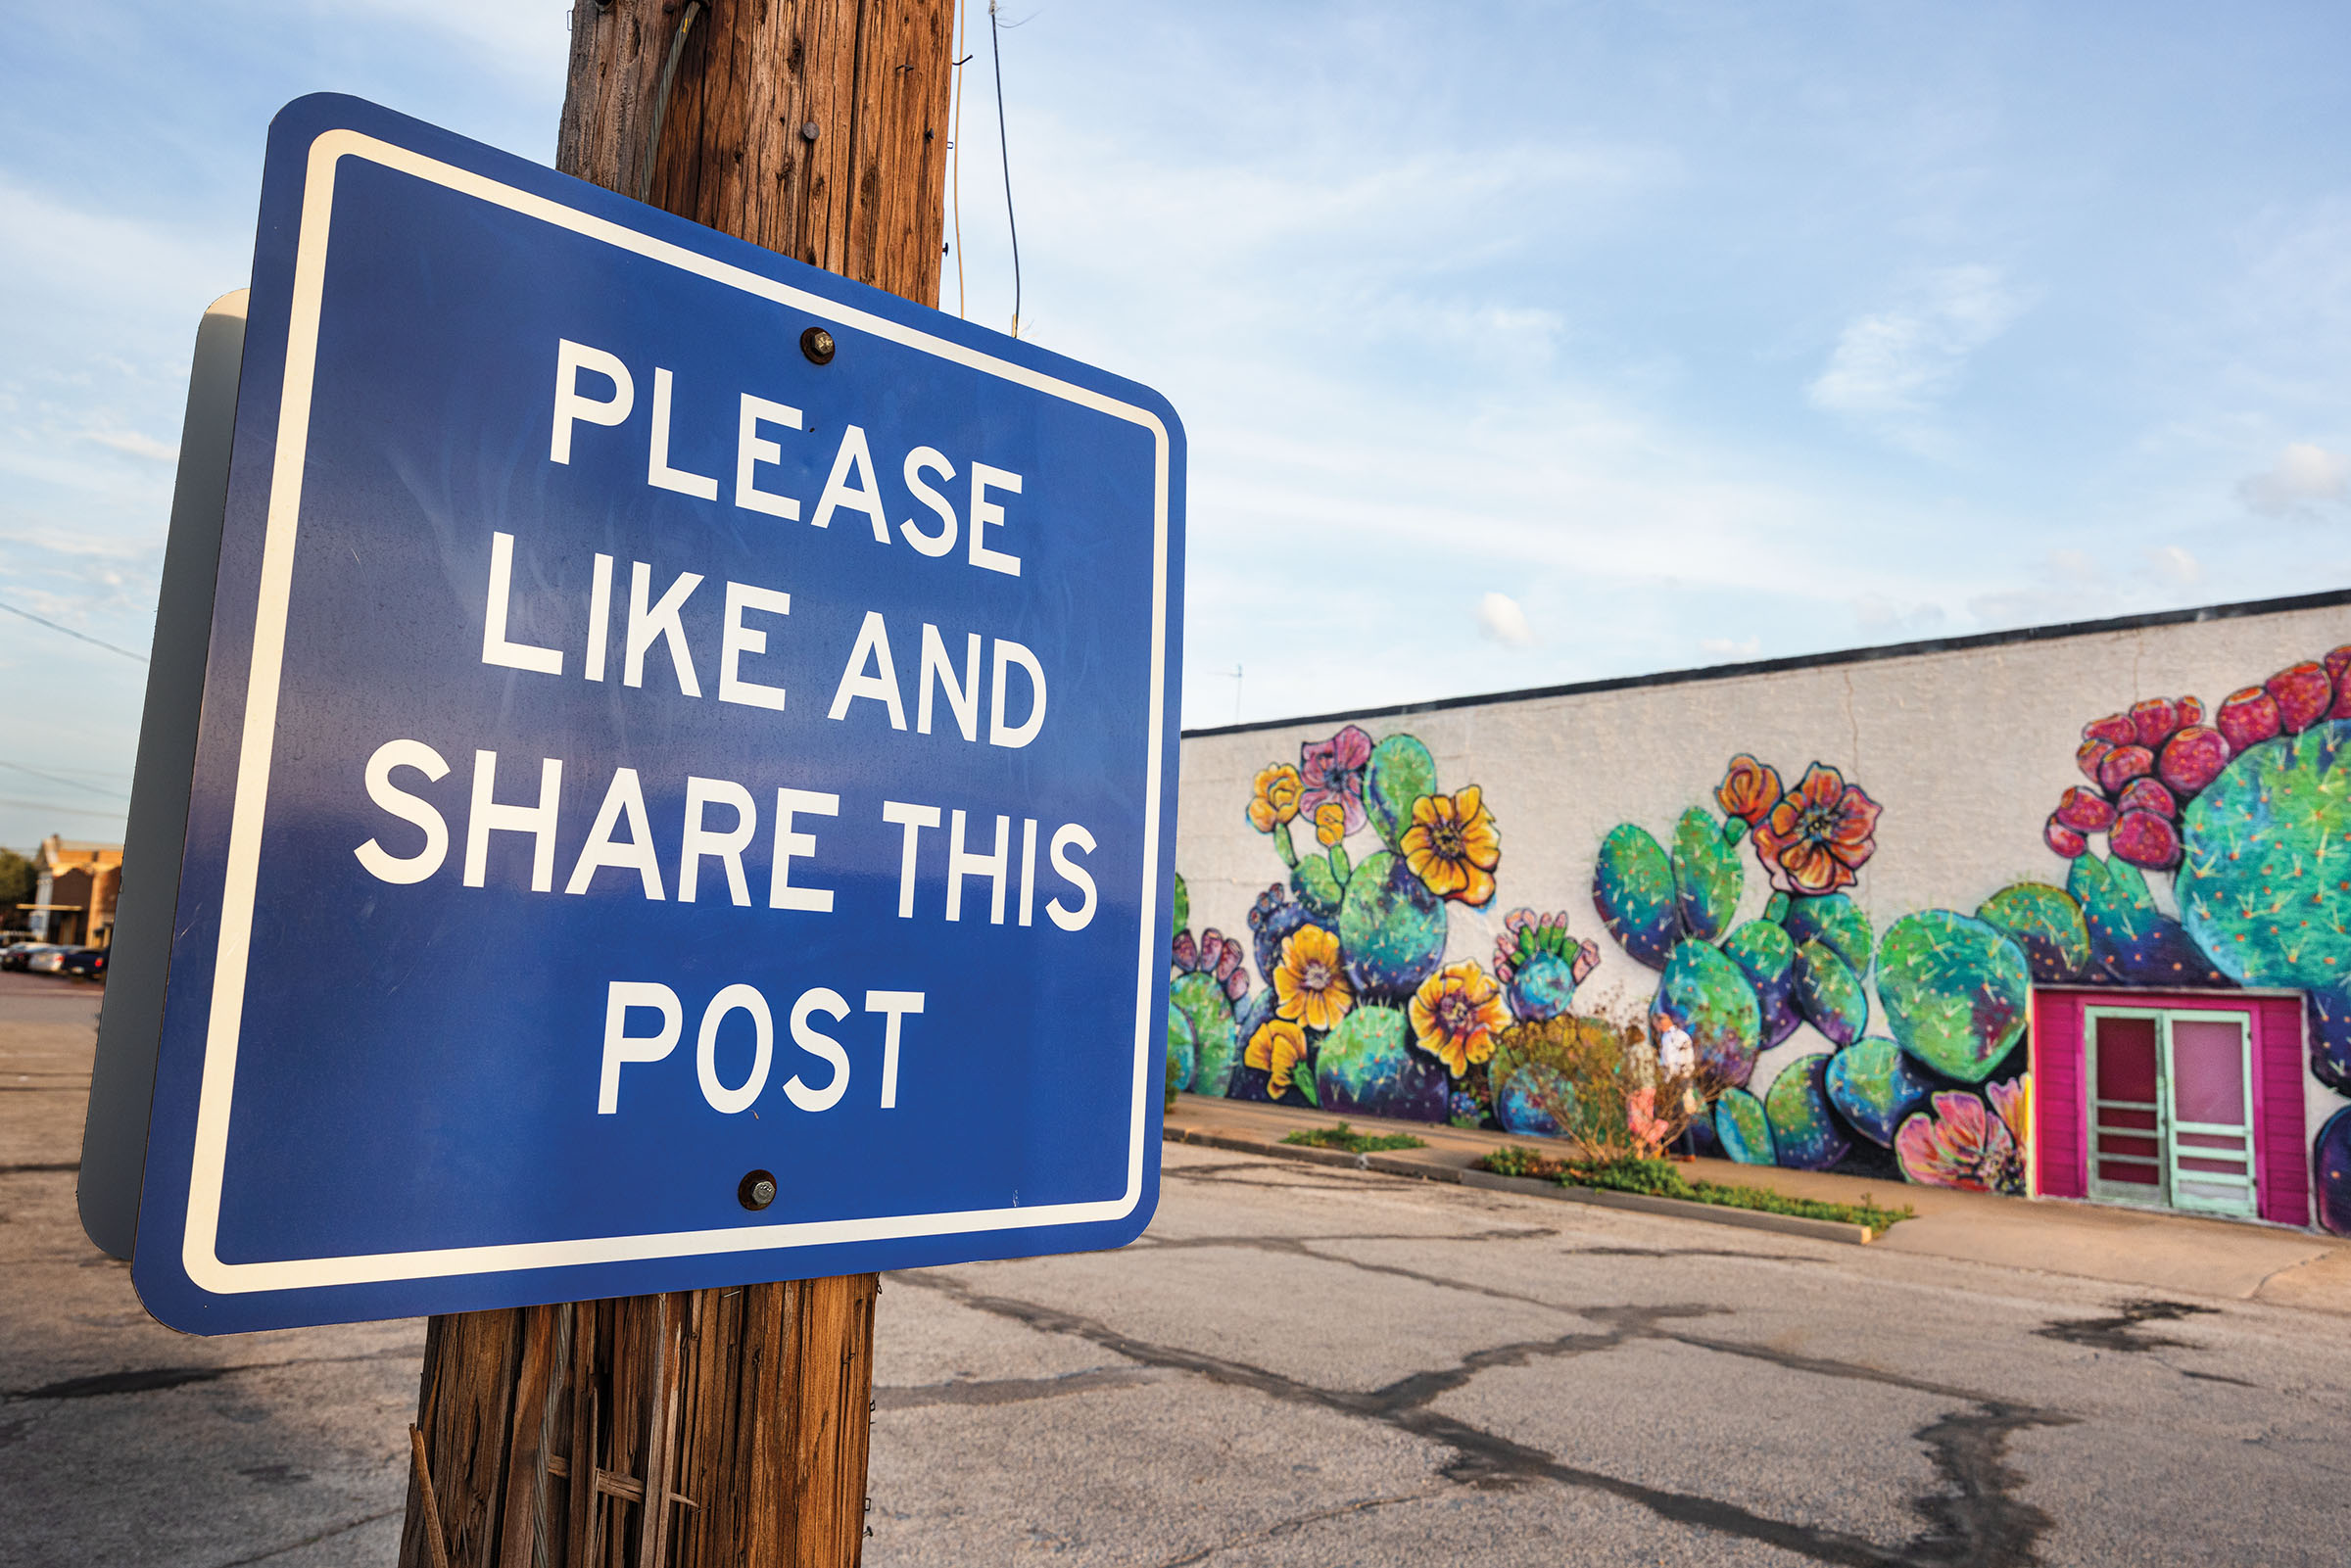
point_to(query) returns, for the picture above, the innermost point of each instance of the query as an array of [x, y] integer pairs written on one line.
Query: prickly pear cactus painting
[[2247, 813], [2261, 883], [1956, 990], [2046, 926], [1804, 1133], [1358, 1010], [1708, 996], [1632, 888], [1874, 1087]]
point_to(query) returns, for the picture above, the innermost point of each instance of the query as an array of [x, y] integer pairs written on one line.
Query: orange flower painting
[[1819, 835], [1748, 791]]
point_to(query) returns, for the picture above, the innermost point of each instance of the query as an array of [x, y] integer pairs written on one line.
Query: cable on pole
[[996, 54], [669, 74], [955, 151]]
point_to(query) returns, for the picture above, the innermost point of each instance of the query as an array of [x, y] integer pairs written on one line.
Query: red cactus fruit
[[2145, 794], [2194, 758], [2084, 811], [2155, 720], [2145, 840], [2303, 694], [2063, 839], [2337, 663], [2124, 763], [2116, 729], [2090, 754], [2192, 711], [2247, 719]]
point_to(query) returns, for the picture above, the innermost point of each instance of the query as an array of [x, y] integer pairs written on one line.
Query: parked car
[[84, 963], [20, 955], [50, 960]]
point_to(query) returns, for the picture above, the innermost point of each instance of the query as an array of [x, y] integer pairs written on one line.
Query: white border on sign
[[209, 1170]]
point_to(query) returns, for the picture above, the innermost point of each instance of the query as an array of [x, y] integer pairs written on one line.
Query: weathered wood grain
[[745, 1411], [865, 198]]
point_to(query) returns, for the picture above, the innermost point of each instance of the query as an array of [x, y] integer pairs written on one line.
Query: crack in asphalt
[[1692, 1252], [2212, 1377], [1291, 1526], [2122, 1331], [343, 1529], [1305, 1247], [52, 1167], [1009, 1390], [1977, 1522], [152, 1379]]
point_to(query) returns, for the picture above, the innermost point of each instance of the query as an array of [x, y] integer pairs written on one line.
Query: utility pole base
[[694, 1429]]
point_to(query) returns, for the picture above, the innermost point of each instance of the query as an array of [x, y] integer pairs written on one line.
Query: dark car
[[19, 955], [86, 963]]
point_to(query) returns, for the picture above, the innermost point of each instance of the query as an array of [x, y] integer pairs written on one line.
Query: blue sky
[[1518, 344]]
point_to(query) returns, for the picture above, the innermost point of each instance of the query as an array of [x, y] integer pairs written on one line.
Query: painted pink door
[[2126, 1111], [2179, 1102], [2210, 1142]]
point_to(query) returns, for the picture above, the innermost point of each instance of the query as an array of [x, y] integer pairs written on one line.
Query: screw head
[[755, 1191], [817, 344], [810, 130]]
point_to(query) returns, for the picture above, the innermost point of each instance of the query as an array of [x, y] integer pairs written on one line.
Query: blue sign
[[685, 786]]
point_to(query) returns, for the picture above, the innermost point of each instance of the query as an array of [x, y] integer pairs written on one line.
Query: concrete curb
[[1713, 1214], [1425, 1170], [1387, 1164]]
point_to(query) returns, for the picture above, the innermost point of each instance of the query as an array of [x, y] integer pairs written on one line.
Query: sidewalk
[[2129, 1247]]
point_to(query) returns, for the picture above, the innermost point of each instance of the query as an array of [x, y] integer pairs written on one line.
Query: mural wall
[[1842, 881]]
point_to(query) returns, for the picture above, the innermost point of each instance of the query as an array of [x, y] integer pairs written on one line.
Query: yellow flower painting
[[1279, 1047], [1309, 984], [1453, 846], [1455, 1014]]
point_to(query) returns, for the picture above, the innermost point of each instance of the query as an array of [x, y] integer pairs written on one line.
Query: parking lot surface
[[1296, 1365]]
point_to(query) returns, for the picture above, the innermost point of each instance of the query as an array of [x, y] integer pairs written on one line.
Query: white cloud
[[1723, 647], [1500, 617], [1902, 360], [2305, 475], [1876, 614], [134, 444], [2175, 566], [526, 38], [2074, 585]]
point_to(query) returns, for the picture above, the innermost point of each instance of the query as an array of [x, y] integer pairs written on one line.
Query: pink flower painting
[[1333, 772]]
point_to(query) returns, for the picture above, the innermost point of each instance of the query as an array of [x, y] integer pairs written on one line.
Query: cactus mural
[[2200, 851], [1358, 1012], [1953, 988]]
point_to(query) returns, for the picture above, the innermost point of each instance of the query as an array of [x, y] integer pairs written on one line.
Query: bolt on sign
[[683, 789]]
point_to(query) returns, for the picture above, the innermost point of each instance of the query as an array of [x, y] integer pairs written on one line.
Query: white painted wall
[[1965, 750]]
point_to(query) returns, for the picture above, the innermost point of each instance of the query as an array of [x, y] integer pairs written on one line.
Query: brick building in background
[[73, 902]]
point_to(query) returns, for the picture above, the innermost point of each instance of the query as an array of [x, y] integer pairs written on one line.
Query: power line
[[70, 783], [70, 811], [955, 150], [996, 54], [43, 620]]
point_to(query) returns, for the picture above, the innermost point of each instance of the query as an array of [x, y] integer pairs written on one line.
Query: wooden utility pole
[[705, 1427]]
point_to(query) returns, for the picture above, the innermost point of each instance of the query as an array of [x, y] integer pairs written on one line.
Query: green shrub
[[1660, 1178], [1353, 1142]]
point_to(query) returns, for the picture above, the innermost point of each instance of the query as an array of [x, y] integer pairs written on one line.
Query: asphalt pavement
[[1296, 1365]]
